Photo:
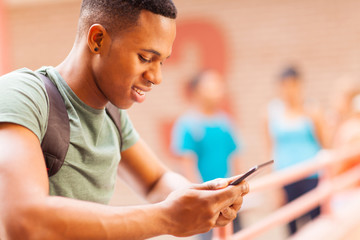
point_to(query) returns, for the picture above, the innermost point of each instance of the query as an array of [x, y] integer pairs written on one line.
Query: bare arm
[[188, 168], [142, 170], [28, 212], [319, 123], [236, 164], [268, 140]]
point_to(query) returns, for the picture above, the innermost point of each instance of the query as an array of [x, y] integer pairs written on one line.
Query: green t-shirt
[[90, 167]]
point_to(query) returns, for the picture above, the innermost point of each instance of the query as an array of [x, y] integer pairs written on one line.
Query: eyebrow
[[153, 51]]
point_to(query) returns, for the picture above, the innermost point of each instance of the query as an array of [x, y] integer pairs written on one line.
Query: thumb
[[215, 184]]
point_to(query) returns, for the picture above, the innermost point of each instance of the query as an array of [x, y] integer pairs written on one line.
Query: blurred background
[[247, 41]]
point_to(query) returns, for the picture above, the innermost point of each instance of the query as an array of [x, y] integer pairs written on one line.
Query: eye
[[143, 59]]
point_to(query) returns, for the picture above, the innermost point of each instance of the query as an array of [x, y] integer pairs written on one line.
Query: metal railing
[[327, 187]]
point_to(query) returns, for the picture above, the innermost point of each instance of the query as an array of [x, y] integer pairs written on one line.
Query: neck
[[206, 109], [76, 70], [295, 105]]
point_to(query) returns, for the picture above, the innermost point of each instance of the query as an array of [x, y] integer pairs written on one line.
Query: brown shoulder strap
[[56, 141], [114, 114]]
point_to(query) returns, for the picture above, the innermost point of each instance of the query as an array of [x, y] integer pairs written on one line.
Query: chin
[[125, 106]]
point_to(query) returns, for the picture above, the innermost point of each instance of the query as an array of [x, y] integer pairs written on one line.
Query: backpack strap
[[114, 114], [56, 141]]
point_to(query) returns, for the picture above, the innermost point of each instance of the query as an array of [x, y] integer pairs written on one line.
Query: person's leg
[[291, 193], [206, 236], [237, 224], [297, 189], [309, 184]]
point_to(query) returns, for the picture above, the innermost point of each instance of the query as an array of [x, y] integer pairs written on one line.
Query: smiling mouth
[[138, 91]]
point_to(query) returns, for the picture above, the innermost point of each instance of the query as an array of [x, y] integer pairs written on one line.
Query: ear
[[96, 38]]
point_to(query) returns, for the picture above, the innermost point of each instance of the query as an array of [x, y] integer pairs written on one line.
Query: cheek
[[127, 69]]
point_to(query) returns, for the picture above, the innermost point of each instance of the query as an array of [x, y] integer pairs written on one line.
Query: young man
[[203, 137], [116, 58]]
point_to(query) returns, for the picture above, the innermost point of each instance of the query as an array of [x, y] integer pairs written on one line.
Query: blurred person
[[342, 106], [343, 118], [347, 139], [349, 130], [348, 134], [204, 137], [294, 133], [116, 58]]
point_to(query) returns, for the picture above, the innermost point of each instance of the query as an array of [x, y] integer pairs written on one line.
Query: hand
[[201, 207], [229, 213]]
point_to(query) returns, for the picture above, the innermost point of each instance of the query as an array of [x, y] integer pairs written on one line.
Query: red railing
[[328, 186], [4, 44]]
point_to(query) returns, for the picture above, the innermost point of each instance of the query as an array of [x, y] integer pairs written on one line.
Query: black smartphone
[[251, 171]]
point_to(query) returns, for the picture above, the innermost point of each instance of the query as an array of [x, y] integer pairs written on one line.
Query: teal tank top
[[294, 140]]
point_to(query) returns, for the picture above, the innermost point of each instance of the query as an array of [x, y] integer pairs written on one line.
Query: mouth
[[138, 91]]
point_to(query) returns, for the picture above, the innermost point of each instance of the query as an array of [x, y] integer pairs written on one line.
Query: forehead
[[152, 31]]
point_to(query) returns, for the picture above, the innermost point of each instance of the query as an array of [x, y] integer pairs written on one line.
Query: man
[[117, 57], [204, 137]]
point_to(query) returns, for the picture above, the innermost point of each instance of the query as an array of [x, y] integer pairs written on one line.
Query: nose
[[153, 74]]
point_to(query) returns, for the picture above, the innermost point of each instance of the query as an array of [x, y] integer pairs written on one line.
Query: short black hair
[[195, 80], [117, 15], [290, 72]]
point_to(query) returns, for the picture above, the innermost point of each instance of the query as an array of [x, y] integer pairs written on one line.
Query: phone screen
[[251, 171]]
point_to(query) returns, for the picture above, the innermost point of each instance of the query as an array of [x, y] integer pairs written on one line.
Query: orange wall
[[248, 41], [4, 47]]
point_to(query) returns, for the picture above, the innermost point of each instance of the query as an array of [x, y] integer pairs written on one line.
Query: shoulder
[[23, 75], [24, 101], [186, 123], [23, 82], [224, 116], [129, 135], [275, 105], [187, 118], [314, 110], [124, 116]]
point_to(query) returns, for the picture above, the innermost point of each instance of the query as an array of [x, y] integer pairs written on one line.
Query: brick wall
[[41, 33], [262, 36], [3, 40], [251, 41], [258, 37]]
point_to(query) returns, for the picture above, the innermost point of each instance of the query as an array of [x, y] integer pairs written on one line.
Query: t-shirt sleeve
[[235, 142], [182, 140], [128, 133], [23, 101]]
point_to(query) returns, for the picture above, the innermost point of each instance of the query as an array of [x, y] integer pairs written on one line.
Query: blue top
[[294, 139], [210, 138]]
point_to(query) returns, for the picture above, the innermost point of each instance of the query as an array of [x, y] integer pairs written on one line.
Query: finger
[[245, 188], [222, 221], [226, 197], [229, 213], [233, 178], [215, 184], [236, 207], [237, 204]]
